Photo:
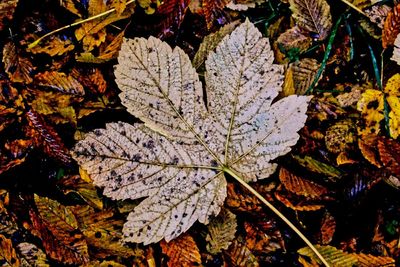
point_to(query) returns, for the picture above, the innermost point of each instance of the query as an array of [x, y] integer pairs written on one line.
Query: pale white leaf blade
[[396, 51]]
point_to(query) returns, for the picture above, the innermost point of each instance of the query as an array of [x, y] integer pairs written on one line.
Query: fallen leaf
[[299, 76], [209, 9], [182, 251], [54, 46], [59, 81], [295, 203], [294, 40], [238, 255], [313, 16], [396, 50], [241, 201], [328, 228], [340, 136], [259, 242], [221, 232], [318, 167], [33, 255], [389, 155], [301, 186], [181, 171], [377, 14], [8, 253], [18, 68], [391, 28]]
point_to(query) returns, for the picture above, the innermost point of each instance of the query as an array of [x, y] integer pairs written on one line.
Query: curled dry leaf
[[181, 252], [7, 9], [178, 158], [313, 16], [59, 81], [301, 186], [391, 28], [221, 232], [18, 68]]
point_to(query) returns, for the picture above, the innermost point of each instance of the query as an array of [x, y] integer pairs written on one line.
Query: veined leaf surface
[[178, 158]]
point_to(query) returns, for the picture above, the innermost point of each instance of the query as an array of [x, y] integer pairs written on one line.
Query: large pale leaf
[[313, 16], [178, 158]]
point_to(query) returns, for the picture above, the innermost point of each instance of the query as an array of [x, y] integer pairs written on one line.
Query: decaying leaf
[[313, 16], [8, 253], [377, 14], [59, 81], [182, 251], [328, 228], [178, 158], [296, 203], [242, 5], [241, 201], [7, 9], [221, 232], [318, 167], [389, 154], [294, 40], [210, 42], [17, 67], [300, 76], [372, 104], [301, 186], [238, 255], [33, 255], [391, 28], [396, 50], [261, 242], [54, 46], [57, 227], [340, 136], [339, 258], [209, 9]]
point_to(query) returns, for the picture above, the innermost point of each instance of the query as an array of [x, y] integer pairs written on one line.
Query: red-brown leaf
[[7, 8], [181, 251], [391, 27], [60, 82], [17, 67]]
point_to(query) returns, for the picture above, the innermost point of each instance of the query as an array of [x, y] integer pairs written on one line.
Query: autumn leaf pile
[[132, 131]]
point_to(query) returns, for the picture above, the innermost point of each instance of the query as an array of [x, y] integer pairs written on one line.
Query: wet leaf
[[391, 27], [59, 81], [301, 186], [181, 171], [16, 66], [221, 232], [8, 253], [7, 9], [182, 251], [313, 16]]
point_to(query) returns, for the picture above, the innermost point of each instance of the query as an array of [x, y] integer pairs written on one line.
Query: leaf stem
[[36, 42], [355, 8], [277, 212]]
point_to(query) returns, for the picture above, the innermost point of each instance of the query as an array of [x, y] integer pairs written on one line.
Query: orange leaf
[[328, 227], [241, 201], [210, 10], [17, 67], [7, 252], [391, 27], [301, 186], [181, 251], [60, 82], [294, 203], [258, 241], [46, 137], [238, 255], [389, 153], [367, 145]]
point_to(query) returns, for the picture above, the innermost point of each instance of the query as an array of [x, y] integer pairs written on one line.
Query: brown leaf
[[300, 76], [293, 202], [53, 46], [173, 12], [90, 78], [210, 10], [70, 6], [181, 251], [241, 201], [294, 39], [259, 242], [7, 8], [60, 82], [238, 255], [221, 232], [17, 67], [340, 136], [389, 154], [301, 186], [328, 227], [367, 145], [47, 138], [57, 227], [7, 252], [391, 28]]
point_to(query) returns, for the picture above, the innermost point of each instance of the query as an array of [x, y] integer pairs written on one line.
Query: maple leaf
[[178, 158]]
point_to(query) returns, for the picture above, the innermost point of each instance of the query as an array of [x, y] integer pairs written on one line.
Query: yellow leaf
[[394, 116], [393, 85], [371, 107]]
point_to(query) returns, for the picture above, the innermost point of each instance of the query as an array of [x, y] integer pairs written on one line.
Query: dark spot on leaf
[[97, 234], [373, 104]]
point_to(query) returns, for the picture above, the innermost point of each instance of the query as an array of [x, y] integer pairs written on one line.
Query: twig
[[36, 42]]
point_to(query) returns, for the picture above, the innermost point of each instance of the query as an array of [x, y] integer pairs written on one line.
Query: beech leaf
[[178, 158]]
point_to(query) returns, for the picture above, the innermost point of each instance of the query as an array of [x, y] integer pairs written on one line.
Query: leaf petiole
[[277, 212]]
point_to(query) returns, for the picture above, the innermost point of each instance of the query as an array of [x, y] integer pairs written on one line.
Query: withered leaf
[[7, 9], [47, 138], [301, 186], [261, 242], [300, 76], [396, 50], [328, 228], [177, 159], [32, 255], [389, 154], [59, 81], [340, 136], [54, 46], [181, 252], [391, 28], [17, 67], [58, 229], [8, 253], [221, 232], [294, 40], [296, 203], [238, 255], [209, 9], [313, 16]]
